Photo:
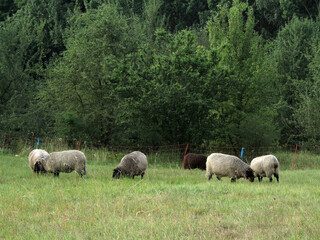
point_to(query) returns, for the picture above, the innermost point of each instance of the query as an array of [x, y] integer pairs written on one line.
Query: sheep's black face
[[116, 173], [38, 167], [250, 175]]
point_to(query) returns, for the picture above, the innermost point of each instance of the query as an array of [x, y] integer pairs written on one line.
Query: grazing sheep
[[223, 165], [265, 166], [36, 157], [66, 161], [133, 164], [193, 160]]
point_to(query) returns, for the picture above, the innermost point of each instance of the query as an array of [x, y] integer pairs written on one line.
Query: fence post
[[79, 144], [37, 144], [294, 159], [241, 155], [184, 156]]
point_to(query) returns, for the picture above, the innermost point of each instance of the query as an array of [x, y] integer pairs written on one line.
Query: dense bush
[[153, 73]]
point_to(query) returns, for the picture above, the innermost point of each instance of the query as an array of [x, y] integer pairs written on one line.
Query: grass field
[[169, 203]]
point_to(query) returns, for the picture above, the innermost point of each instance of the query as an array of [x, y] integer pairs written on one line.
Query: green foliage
[[269, 17], [299, 8], [7, 8], [157, 72], [183, 14], [245, 99], [174, 94], [15, 84], [307, 114], [30, 39], [292, 56], [39, 25], [272, 15], [80, 91]]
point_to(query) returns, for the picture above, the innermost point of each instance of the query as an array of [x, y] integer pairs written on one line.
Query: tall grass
[[288, 160], [307, 156], [169, 203]]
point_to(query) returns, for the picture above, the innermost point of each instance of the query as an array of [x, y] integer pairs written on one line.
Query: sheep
[[131, 165], [265, 166], [66, 161], [193, 160], [223, 165], [35, 160]]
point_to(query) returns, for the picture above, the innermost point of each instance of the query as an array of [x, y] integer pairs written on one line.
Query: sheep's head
[[117, 173], [250, 175], [42, 164], [39, 166]]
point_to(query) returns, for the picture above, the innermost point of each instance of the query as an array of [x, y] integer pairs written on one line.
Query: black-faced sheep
[[265, 166], [193, 161], [133, 164], [36, 158], [66, 161], [223, 165]]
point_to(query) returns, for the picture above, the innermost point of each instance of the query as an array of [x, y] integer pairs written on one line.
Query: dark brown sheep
[[193, 161]]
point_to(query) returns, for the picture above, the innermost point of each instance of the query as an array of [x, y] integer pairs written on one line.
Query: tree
[[7, 8], [246, 101], [32, 37], [272, 15], [172, 101], [292, 51], [14, 89], [182, 14], [79, 91], [300, 8], [269, 17], [307, 113]]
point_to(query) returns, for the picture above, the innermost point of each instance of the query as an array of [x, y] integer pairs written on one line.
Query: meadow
[[169, 203]]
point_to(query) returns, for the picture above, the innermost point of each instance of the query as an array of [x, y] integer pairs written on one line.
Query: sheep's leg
[[276, 175], [142, 175], [259, 178], [219, 178], [132, 176], [209, 177], [81, 173], [270, 178], [56, 174], [233, 179]]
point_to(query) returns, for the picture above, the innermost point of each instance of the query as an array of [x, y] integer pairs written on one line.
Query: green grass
[[169, 203]]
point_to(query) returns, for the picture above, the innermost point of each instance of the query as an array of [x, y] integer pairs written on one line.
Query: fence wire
[[308, 156]]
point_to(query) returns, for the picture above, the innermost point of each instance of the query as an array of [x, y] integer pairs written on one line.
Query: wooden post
[[294, 159], [79, 147], [184, 156]]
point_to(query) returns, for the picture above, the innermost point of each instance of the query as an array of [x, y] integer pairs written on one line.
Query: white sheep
[[265, 166], [36, 157], [223, 165], [133, 164], [66, 161]]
